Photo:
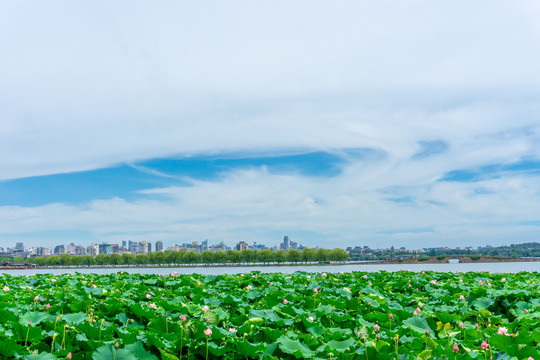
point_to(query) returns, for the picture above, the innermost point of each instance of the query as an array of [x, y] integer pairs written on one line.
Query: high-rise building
[[286, 243], [19, 246], [59, 249], [105, 248], [159, 245], [242, 245], [145, 247], [93, 250], [70, 249]]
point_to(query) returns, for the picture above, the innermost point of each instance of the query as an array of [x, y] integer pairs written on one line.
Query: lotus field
[[403, 315]]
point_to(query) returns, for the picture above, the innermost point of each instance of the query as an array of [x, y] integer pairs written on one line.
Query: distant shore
[[419, 261]]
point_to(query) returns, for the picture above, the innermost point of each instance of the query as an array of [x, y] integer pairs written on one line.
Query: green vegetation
[[402, 315], [423, 258], [193, 258], [514, 250], [442, 257], [475, 258]]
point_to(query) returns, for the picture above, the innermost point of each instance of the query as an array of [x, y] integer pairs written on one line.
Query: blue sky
[[345, 124]]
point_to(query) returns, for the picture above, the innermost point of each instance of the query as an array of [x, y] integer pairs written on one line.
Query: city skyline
[[382, 124]]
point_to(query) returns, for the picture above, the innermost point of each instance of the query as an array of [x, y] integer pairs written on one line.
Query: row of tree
[[193, 258]]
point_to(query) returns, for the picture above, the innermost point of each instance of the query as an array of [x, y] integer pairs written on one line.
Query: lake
[[504, 267]]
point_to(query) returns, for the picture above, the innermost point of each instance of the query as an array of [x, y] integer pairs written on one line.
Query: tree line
[[194, 258]]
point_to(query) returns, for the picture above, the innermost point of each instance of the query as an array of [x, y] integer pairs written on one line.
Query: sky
[[339, 124]]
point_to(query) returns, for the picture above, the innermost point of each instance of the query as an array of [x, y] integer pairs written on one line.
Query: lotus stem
[[26, 341]]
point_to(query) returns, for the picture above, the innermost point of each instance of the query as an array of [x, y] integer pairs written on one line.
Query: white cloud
[[89, 85]]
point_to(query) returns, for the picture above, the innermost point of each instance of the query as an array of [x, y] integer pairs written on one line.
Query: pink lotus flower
[[148, 296], [205, 307], [365, 276], [309, 276], [461, 297], [183, 317], [153, 306], [427, 331], [461, 325], [415, 313], [476, 326], [376, 327], [47, 306], [285, 302], [208, 332], [233, 330], [271, 283], [390, 316], [116, 345], [310, 319], [484, 345], [315, 290], [248, 287], [456, 348], [54, 280], [503, 331], [30, 323], [36, 298], [68, 356], [525, 310], [5, 288]]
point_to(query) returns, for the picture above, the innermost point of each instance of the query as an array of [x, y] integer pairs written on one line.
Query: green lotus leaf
[[425, 355], [417, 324], [482, 303], [217, 350], [247, 349], [295, 347], [35, 316], [108, 352], [140, 352], [166, 356], [42, 356], [75, 318], [340, 346], [9, 348]]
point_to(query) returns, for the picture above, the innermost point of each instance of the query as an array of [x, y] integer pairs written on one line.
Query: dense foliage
[[527, 250], [402, 315], [191, 257]]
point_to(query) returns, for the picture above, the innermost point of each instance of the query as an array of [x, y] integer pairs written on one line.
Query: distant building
[[92, 249], [79, 250], [40, 251], [145, 247], [219, 247], [19, 246], [242, 245], [70, 249], [105, 248], [286, 244], [59, 249], [133, 246], [159, 245]]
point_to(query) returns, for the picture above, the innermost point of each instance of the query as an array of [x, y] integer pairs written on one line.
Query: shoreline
[[430, 260]]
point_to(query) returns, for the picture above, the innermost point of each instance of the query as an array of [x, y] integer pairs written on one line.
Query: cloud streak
[[428, 91]]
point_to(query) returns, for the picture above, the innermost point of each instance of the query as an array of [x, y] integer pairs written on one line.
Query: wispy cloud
[[244, 121]]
